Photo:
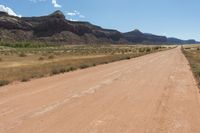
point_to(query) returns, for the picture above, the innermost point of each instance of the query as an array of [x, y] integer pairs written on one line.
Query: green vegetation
[[192, 53], [24, 61]]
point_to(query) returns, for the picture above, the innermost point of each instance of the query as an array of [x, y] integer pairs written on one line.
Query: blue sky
[[173, 18]]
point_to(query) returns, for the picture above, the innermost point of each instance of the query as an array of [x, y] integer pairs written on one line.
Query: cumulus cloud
[[55, 4], [8, 10]]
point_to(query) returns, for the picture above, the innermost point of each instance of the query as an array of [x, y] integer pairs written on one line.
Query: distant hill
[[137, 36], [56, 29], [179, 41]]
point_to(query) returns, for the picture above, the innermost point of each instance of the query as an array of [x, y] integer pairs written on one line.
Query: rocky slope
[[55, 28]]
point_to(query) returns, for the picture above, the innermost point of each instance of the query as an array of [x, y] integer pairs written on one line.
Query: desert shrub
[[62, 70], [141, 50], [148, 50], [41, 58], [198, 48], [83, 66], [54, 71], [1, 59], [128, 57], [22, 54], [188, 48], [70, 69], [3, 82], [25, 79], [51, 57]]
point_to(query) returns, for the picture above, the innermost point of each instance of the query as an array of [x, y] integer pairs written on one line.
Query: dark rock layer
[[55, 28]]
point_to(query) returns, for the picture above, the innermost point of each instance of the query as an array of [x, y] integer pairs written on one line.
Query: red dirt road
[[155, 93]]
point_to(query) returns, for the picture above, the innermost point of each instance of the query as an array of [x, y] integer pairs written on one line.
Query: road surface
[[155, 93]]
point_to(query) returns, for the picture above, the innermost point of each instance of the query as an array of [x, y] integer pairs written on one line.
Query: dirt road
[[155, 93]]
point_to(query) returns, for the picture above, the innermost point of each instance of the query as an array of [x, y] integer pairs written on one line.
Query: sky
[[172, 18]]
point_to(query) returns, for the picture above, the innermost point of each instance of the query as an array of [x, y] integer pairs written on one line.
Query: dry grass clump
[[193, 56]]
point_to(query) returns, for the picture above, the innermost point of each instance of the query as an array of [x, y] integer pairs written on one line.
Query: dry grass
[[192, 53], [23, 64]]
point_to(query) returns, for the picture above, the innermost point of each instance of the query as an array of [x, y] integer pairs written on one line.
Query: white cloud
[[8, 10], [74, 14], [35, 1], [75, 11], [55, 4], [81, 16], [73, 19], [71, 14]]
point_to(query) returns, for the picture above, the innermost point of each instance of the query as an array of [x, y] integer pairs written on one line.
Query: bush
[[41, 58], [54, 71], [58, 71], [22, 55], [156, 48], [70, 69], [1, 59], [148, 50], [141, 50], [62, 70], [83, 66], [3, 82], [188, 48], [25, 79], [51, 57], [128, 57]]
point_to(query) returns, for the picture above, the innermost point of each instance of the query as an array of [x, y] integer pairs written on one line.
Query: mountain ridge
[[55, 28]]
